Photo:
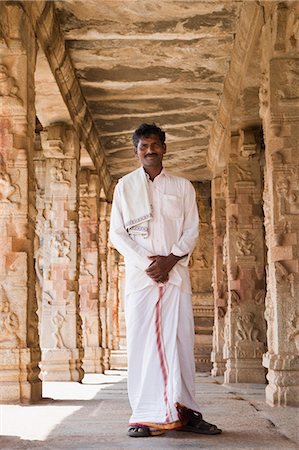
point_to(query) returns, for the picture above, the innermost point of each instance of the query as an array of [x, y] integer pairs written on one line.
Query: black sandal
[[139, 431], [143, 431], [195, 423]]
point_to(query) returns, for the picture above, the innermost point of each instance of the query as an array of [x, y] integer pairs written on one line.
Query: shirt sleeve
[[120, 238], [187, 241]]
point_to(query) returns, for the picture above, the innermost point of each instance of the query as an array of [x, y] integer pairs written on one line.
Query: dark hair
[[145, 130]]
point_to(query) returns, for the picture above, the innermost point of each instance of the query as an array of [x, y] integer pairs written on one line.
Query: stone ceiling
[[161, 61]]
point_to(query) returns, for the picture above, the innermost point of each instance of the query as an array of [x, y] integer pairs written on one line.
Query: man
[[154, 225]]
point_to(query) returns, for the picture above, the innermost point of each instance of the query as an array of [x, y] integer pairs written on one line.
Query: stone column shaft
[[279, 108], [244, 321], [219, 275], [103, 246], [60, 320], [19, 347], [89, 271]]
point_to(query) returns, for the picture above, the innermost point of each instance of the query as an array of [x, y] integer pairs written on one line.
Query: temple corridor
[[76, 79]]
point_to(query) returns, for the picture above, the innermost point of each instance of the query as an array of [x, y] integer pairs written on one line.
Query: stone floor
[[94, 415]]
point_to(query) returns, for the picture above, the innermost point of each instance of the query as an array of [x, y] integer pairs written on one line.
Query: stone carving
[[245, 243], [84, 209], [84, 268], [233, 222], [60, 245], [259, 297], [295, 334], [246, 330], [7, 188], [283, 276], [9, 323], [235, 298], [202, 262], [243, 174], [59, 173], [263, 95], [289, 90], [277, 158], [57, 322], [8, 86]]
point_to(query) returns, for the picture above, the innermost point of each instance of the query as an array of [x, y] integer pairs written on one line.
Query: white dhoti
[[160, 344]]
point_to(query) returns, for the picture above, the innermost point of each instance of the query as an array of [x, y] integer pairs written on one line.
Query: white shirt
[[173, 229]]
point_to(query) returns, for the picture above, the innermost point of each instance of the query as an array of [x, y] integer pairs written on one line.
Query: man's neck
[[153, 172]]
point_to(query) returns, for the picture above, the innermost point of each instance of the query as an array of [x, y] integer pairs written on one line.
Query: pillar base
[[283, 377], [92, 361], [61, 365], [19, 371], [244, 371], [218, 368], [118, 359]]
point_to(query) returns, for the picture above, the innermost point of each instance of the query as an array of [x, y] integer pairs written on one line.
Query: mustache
[[151, 154]]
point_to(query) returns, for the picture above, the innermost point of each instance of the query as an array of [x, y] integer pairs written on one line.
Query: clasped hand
[[160, 267]]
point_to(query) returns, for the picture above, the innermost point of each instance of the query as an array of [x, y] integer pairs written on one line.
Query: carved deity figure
[[245, 244], [246, 330], [60, 245], [7, 188], [7, 83], [9, 323], [58, 174], [57, 322]]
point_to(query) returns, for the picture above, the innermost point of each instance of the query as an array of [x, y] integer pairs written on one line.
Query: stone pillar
[[219, 275], [60, 320], [103, 252], [244, 322], [113, 299], [19, 347], [89, 271], [201, 276], [279, 108]]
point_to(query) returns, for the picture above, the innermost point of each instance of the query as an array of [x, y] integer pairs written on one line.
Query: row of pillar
[[256, 228]]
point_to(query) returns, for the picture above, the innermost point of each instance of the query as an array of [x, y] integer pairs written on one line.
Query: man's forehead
[[151, 136]]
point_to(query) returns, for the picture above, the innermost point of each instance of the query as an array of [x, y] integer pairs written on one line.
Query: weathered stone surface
[[162, 62]]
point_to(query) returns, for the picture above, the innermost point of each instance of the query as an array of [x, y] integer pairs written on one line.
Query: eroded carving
[[246, 329], [60, 245], [9, 323], [245, 244], [57, 322]]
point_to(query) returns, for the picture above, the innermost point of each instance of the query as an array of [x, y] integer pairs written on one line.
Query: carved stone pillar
[[279, 108], [103, 252], [19, 347], [201, 277], [113, 299], [89, 271], [244, 322], [60, 320], [219, 275]]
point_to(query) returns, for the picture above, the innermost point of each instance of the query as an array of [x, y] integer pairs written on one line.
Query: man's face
[[150, 151]]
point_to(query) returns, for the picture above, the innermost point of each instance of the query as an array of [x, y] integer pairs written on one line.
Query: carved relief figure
[[60, 245], [7, 188], [245, 244], [58, 174], [246, 330], [57, 322], [9, 323], [289, 91], [8, 86]]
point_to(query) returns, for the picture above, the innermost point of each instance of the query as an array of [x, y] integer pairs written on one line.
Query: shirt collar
[[163, 173]]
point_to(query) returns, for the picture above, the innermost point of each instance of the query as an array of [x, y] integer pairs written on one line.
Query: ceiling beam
[[43, 19]]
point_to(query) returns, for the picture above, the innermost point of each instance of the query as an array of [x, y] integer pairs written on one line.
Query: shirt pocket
[[172, 206]]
